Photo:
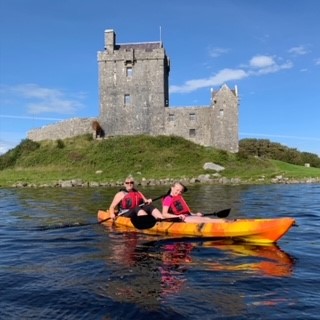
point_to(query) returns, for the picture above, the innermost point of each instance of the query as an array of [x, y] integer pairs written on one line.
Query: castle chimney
[[109, 40]]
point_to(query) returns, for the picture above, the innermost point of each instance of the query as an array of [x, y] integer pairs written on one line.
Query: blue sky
[[269, 49]]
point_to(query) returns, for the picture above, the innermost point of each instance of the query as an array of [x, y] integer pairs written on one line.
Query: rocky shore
[[202, 179]]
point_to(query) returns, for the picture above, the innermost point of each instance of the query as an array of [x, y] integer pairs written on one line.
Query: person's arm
[[198, 214], [166, 202], [145, 200], [116, 200]]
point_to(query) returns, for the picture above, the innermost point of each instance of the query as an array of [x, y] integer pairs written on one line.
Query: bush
[[60, 144], [10, 158], [263, 148]]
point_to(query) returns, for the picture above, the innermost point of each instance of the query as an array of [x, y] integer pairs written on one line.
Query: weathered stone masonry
[[134, 99], [62, 130]]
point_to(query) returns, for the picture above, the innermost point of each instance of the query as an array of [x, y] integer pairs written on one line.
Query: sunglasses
[[129, 182]]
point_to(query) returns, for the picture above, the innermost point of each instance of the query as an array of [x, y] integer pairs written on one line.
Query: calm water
[[96, 272]]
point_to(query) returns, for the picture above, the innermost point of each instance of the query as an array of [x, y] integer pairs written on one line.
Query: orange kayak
[[248, 230]]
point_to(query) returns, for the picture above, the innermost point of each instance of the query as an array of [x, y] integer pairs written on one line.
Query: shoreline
[[79, 183]]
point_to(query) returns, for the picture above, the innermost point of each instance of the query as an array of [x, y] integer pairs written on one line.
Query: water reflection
[[148, 271], [134, 272], [265, 260]]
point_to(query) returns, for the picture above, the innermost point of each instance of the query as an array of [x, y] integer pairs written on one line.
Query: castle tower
[[133, 86], [225, 114]]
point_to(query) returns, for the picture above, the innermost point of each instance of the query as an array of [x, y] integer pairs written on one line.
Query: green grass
[[294, 171], [142, 156]]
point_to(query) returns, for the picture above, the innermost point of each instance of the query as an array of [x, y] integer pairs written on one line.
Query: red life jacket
[[131, 200], [179, 206]]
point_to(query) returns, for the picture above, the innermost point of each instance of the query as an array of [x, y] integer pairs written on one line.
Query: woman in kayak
[[174, 203], [130, 202]]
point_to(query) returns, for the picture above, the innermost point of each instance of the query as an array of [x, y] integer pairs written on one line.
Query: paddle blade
[[223, 213], [220, 214], [143, 222]]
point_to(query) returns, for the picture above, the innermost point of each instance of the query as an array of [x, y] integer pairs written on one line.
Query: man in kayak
[[174, 203], [130, 202]]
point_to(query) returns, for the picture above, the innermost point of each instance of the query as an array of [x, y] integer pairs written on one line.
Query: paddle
[[76, 225], [149, 221], [220, 214]]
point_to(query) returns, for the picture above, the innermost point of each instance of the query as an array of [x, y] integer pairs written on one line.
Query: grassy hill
[[147, 157]]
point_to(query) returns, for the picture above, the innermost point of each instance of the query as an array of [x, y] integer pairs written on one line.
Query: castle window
[[127, 100], [171, 116], [221, 113], [192, 133], [129, 72], [192, 116]]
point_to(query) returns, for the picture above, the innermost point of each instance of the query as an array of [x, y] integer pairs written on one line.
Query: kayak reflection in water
[[272, 261], [175, 257], [144, 273]]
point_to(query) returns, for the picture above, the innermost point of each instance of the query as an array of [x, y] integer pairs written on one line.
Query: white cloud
[[6, 146], [39, 100], [216, 80], [261, 62], [258, 65], [317, 62], [3, 149], [298, 51], [262, 65], [29, 117], [216, 52]]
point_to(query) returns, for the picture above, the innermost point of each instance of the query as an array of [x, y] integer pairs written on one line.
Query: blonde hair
[[129, 177]]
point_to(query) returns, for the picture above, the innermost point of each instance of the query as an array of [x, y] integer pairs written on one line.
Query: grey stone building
[[134, 99]]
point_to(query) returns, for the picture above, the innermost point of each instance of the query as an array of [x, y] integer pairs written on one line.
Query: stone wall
[[62, 130], [192, 123]]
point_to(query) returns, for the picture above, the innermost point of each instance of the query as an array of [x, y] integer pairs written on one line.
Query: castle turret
[[225, 116]]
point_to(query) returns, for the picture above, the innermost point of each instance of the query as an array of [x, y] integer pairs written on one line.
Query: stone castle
[[134, 99]]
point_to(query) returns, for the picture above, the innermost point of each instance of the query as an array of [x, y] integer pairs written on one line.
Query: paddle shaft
[[77, 225], [220, 214]]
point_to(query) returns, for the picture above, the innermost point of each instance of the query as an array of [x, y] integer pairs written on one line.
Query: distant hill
[[264, 148]]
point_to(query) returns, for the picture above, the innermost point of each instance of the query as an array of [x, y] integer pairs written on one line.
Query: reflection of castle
[[134, 99]]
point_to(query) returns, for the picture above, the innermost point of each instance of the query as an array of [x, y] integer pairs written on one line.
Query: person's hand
[[199, 214], [182, 217], [148, 201], [112, 216]]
